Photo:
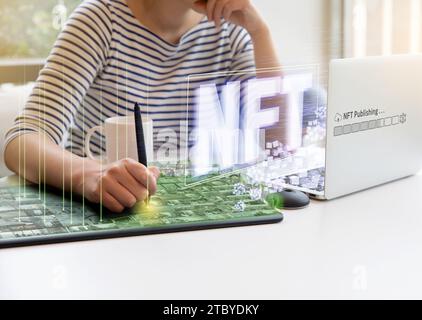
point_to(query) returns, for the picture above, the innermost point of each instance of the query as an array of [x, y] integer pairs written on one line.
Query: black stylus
[[140, 139]]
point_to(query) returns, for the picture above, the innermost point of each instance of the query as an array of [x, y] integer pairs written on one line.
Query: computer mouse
[[288, 200]]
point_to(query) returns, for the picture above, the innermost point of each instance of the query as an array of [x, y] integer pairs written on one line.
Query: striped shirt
[[105, 60]]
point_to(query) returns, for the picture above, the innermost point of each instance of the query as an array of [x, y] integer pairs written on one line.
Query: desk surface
[[367, 245]]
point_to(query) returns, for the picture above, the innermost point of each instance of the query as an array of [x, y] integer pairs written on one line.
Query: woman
[[110, 54]]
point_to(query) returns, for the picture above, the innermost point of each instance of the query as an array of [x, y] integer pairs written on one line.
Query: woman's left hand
[[239, 12]]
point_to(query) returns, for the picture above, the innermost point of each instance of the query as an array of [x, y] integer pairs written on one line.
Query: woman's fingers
[[210, 9], [111, 203], [137, 189], [119, 192], [143, 175], [218, 11], [200, 6], [125, 183], [155, 171], [227, 12]]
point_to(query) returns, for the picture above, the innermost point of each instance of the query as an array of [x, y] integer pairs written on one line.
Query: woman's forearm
[[116, 186], [266, 56], [39, 160]]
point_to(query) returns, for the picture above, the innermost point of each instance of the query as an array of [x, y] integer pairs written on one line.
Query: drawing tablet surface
[[32, 215]]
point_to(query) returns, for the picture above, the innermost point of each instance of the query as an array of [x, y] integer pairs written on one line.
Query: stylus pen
[[140, 139]]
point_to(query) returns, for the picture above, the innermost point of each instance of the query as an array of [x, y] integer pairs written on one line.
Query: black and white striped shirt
[[105, 60]]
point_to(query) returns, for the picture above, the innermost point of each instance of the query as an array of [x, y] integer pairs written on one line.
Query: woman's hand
[[119, 185], [239, 12]]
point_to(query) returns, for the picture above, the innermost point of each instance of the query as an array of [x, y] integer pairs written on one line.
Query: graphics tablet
[[34, 215]]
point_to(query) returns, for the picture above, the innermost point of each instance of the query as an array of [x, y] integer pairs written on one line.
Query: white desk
[[367, 245]]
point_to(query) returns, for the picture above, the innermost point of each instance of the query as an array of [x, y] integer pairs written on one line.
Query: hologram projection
[[267, 124]]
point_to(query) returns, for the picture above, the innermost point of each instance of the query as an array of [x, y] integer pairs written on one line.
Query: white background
[[300, 29]]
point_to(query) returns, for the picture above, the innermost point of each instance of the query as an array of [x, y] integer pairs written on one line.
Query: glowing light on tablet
[[146, 210]]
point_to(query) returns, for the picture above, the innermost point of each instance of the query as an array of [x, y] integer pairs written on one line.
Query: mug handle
[[88, 137]]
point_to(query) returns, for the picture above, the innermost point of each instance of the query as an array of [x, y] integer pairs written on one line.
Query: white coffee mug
[[120, 137]]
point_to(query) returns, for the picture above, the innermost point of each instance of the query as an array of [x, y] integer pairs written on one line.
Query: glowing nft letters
[[217, 128], [254, 118], [225, 136], [294, 86]]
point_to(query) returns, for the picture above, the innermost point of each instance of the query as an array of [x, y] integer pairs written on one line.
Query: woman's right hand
[[118, 185]]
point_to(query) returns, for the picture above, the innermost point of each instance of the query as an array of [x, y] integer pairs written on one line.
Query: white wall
[[300, 29]]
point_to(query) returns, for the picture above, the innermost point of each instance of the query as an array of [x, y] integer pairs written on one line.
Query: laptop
[[374, 125]]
